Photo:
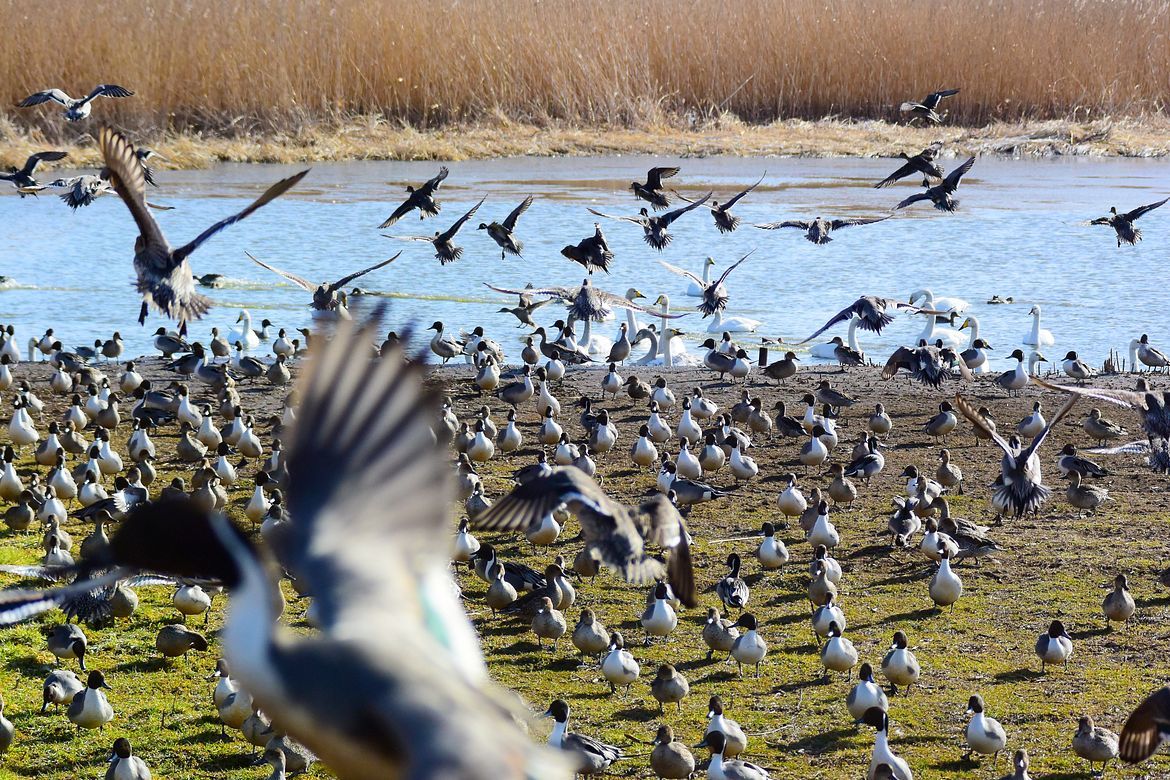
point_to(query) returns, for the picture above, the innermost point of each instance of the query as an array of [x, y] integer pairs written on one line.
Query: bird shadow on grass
[[1019, 675], [800, 685], [1091, 632], [917, 614], [638, 713], [28, 666], [816, 744], [144, 665]]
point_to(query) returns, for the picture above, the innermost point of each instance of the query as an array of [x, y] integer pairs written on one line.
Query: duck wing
[[901, 173], [727, 204], [977, 420], [299, 281], [788, 223], [405, 208], [451, 231], [343, 281], [510, 222], [33, 161], [108, 90], [654, 177], [1140, 210], [271, 194], [934, 98], [44, 96], [127, 179], [837, 224], [951, 182], [557, 292], [529, 502], [432, 185], [913, 199], [727, 271], [1146, 728], [671, 216], [674, 269], [638, 220]]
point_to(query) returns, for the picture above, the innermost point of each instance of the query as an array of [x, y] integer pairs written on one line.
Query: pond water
[[1021, 231]]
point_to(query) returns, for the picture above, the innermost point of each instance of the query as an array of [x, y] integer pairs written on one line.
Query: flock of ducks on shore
[[355, 511]]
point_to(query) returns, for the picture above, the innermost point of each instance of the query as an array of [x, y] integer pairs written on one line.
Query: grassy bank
[[372, 139]]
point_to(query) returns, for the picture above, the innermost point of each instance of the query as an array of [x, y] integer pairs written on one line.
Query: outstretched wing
[[127, 179], [788, 223], [451, 231], [528, 503], [639, 220], [1146, 727], [299, 281], [837, 224], [841, 316], [44, 96], [729, 203], [558, 292], [1040, 437], [510, 222], [912, 199], [901, 173], [952, 179], [977, 420], [671, 216], [271, 194], [727, 271], [432, 185], [1140, 210], [33, 161], [108, 90], [343, 281], [655, 176], [674, 269]]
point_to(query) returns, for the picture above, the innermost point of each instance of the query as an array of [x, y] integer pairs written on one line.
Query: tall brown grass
[[238, 66]]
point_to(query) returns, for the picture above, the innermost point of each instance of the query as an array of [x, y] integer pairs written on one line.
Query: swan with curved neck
[[632, 295], [594, 345], [828, 350], [943, 302], [1037, 336], [694, 290], [667, 358], [973, 323], [244, 333], [719, 324]]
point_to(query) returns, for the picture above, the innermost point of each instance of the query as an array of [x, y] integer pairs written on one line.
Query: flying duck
[[942, 195], [923, 163], [503, 233], [1123, 225], [818, 230], [651, 191], [422, 199], [22, 178], [654, 227], [76, 109], [927, 108], [725, 221], [444, 241], [325, 294]]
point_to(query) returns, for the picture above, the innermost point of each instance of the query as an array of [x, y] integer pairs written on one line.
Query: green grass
[[1057, 566]]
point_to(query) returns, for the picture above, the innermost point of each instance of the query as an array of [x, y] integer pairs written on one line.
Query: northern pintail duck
[[548, 623], [326, 296], [174, 641], [725, 221], [942, 195], [749, 647], [1118, 605], [421, 198], [59, 688], [22, 178], [1022, 490], [443, 242], [1070, 461], [503, 233], [590, 636], [927, 108], [591, 252], [945, 586], [124, 765], [1095, 744], [722, 768], [618, 666], [68, 641], [1076, 368], [780, 369], [651, 191], [670, 758], [1147, 727], [899, 664], [819, 230], [883, 763], [922, 163], [732, 590], [715, 295], [719, 634], [984, 734], [926, 363], [866, 695], [89, 708], [618, 534], [654, 226], [1084, 496], [587, 756], [76, 109], [1122, 223], [731, 731], [1054, 646], [838, 653], [669, 687], [1102, 429], [164, 275]]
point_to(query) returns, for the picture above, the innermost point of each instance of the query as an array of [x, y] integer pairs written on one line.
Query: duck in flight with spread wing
[[928, 108], [714, 294], [325, 296], [22, 178], [591, 252], [923, 163], [721, 212], [586, 303], [422, 199], [617, 534], [76, 109], [942, 195], [654, 226], [818, 230], [651, 191], [871, 312], [503, 233], [1123, 223], [444, 242], [164, 275]]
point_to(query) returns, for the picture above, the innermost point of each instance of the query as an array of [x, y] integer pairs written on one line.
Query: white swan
[[1037, 336], [244, 334], [670, 351], [594, 345], [719, 324], [942, 303], [828, 350], [949, 336], [693, 289]]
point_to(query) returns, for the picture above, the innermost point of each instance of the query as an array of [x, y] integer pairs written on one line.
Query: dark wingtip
[[174, 537]]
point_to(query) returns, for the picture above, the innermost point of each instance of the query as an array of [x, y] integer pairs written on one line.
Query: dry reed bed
[[237, 67]]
